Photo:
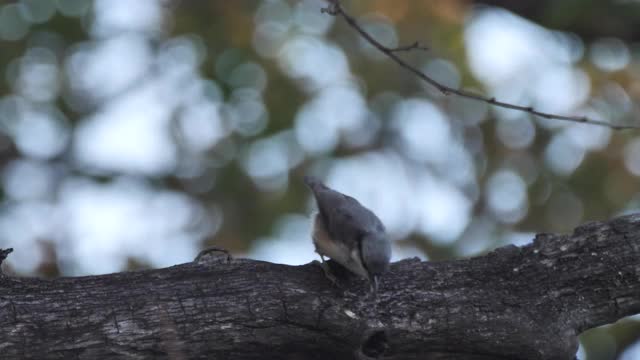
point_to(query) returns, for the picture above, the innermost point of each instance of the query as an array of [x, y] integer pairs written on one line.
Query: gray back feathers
[[344, 217]]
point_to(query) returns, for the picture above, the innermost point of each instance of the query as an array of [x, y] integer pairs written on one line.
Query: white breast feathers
[[336, 250]]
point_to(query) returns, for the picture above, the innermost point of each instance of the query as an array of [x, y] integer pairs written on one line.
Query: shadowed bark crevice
[[526, 302]]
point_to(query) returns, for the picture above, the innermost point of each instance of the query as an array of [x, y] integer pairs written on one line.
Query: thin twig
[[335, 9], [415, 46]]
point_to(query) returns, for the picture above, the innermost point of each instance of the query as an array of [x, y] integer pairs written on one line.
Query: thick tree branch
[[336, 9], [513, 303]]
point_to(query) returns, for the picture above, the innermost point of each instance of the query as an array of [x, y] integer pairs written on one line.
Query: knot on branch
[[332, 9], [375, 345], [213, 255]]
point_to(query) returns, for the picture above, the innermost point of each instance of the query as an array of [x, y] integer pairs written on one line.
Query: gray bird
[[349, 233]]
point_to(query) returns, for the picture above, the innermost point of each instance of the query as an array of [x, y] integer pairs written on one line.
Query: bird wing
[[336, 250]]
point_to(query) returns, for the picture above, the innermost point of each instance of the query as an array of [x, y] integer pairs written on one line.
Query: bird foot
[[327, 272]]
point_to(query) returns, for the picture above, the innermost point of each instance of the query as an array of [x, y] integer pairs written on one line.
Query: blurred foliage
[[599, 188], [589, 19]]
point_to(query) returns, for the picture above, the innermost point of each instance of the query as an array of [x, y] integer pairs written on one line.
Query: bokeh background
[[133, 134]]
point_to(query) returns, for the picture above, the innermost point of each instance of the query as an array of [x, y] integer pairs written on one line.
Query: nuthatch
[[349, 233]]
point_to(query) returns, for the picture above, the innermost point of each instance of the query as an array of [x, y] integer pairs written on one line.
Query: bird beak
[[374, 284]]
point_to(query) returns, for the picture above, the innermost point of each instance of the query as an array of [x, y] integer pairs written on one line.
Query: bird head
[[376, 254]]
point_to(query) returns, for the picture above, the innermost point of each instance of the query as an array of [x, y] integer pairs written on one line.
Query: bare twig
[[415, 46], [335, 9]]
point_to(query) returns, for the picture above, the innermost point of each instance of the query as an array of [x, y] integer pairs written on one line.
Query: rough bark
[[513, 303]]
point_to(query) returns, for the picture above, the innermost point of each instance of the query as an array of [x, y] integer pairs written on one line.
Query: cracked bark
[[513, 303]]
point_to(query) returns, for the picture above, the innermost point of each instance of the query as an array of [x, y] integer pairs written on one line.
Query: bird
[[349, 233]]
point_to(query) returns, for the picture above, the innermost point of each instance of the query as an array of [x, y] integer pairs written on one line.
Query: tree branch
[[513, 303], [335, 9], [415, 46]]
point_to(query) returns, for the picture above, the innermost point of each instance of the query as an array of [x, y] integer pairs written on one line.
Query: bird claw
[[327, 271]]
